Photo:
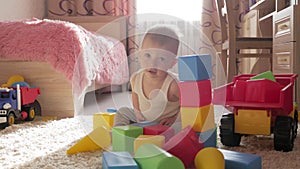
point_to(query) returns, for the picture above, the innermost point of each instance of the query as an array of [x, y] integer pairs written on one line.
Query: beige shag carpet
[[43, 145]]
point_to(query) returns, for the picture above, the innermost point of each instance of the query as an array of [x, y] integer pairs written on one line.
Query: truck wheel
[[10, 119], [37, 108], [31, 114], [284, 135], [227, 135]]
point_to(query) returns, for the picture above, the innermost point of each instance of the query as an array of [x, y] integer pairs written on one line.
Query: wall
[[21, 9]]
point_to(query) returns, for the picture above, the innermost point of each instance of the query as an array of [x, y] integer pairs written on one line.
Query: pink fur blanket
[[80, 55]]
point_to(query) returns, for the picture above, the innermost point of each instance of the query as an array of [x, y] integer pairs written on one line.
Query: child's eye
[[147, 55], [162, 59]]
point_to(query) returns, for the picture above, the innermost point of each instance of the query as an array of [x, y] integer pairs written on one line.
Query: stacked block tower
[[195, 72]]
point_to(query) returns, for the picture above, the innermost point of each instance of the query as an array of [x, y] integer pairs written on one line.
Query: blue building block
[[208, 137], [118, 160], [238, 160], [144, 124], [194, 67]]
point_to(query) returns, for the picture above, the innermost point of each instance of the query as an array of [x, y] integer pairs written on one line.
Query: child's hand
[[168, 121], [139, 117]]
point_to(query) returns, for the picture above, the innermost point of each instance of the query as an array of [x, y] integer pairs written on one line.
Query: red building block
[[195, 93], [185, 145], [159, 129]]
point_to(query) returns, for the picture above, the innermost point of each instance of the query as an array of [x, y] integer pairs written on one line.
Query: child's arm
[[135, 102], [173, 95]]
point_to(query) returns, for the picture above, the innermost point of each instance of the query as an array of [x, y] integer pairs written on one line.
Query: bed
[[64, 82]]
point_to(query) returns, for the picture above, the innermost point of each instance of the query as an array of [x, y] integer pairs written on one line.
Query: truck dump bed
[[258, 93]]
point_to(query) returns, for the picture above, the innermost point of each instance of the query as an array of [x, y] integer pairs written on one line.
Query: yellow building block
[[257, 122], [103, 119], [157, 140], [201, 119], [98, 139], [209, 158]]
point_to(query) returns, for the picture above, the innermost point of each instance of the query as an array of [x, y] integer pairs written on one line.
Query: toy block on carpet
[[210, 158], [184, 145], [238, 160], [118, 160], [123, 137], [144, 124], [160, 129], [157, 140], [96, 140], [209, 138], [200, 118], [104, 119], [194, 67], [149, 156], [195, 93]]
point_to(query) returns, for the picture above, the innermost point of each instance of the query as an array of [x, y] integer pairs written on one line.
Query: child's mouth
[[152, 70]]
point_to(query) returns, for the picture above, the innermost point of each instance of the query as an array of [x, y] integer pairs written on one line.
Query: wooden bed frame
[[56, 97]]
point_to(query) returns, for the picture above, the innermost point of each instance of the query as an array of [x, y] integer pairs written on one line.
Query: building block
[[104, 119], [194, 67], [98, 139], [238, 160], [123, 137], [209, 138], [149, 156], [184, 145], [195, 93], [118, 160], [265, 75], [144, 124], [160, 129], [200, 118], [157, 140], [210, 158]]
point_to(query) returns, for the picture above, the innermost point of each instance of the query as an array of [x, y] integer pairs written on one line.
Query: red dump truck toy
[[18, 103], [260, 107]]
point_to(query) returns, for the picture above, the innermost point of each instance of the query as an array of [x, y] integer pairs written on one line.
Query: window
[[189, 10]]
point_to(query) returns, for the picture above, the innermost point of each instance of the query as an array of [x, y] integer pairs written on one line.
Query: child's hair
[[163, 33]]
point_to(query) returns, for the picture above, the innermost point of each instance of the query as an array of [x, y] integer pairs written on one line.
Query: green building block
[[150, 156], [123, 137], [265, 75]]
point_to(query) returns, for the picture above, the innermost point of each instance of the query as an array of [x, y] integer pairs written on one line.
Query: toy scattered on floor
[[18, 101], [210, 158], [104, 119], [261, 107], [238, 160], [118, 160], [149, 156], [123, 137], [157, 140], [98, 139], [159, 129], [184, 145]]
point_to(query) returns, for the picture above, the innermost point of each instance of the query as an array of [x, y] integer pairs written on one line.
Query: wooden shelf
[[263, 4], [267, 17]]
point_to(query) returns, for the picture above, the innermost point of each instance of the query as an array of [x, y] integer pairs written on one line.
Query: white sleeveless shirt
[[157, 107]]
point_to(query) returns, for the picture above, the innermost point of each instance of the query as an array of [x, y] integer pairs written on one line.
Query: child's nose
[[154, 63]]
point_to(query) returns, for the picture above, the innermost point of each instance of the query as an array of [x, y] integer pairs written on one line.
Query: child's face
[[155, 57]]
